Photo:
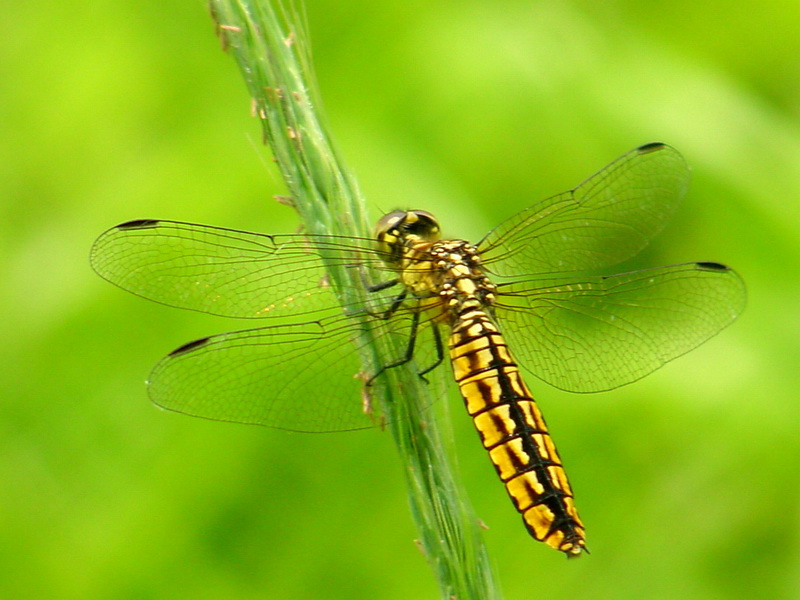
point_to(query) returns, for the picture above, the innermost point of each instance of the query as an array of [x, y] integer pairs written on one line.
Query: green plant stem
[[268, 43]]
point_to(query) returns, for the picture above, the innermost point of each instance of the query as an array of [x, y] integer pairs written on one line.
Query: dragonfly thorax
[[449, 273], [460, 280]]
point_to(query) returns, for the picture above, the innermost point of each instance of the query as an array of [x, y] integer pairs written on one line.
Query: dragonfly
[[527, 297]]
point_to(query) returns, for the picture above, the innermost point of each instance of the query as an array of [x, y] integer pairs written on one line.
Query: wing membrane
[[579, 334], [608, 218], [223, 271], [598, 333], [300, 377]]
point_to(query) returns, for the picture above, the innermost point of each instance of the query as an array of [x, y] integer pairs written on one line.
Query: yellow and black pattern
[[501, 406], [447, 277], [563, 320], [513, 431]]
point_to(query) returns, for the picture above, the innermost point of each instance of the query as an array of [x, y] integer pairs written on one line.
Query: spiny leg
[[412, 340], [396, 302], [409, 353], [378, 287], [437, 338]]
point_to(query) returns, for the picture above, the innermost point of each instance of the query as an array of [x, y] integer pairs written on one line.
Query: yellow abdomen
[[513, 431]]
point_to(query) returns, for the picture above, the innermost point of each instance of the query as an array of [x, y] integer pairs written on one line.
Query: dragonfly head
[[397, 228]]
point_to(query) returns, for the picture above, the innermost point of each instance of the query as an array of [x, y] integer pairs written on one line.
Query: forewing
[[597, 333], [223, 271], [608, 218]]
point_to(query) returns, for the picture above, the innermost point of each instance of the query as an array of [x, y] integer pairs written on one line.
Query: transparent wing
[[223, 271], [301, 377], [608, 218], [598, 333]]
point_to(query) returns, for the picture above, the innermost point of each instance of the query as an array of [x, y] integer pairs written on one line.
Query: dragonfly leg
[[396, 302], [437, 338], [380, 286], [377, 287], [373, 287], [409, 353]]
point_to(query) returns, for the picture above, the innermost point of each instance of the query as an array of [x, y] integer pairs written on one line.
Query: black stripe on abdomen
[[513, 431]]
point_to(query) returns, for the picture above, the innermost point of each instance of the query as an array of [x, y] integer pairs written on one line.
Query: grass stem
[[269, 43]]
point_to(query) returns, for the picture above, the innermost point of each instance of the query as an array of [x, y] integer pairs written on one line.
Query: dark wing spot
[[188, 347], [139, 224], [651, 147], [711, 266]]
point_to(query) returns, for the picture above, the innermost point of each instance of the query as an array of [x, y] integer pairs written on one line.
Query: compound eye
[[388, 222], [421, 223]]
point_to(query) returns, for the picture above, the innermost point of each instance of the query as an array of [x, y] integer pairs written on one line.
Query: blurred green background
[[687, 481]]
